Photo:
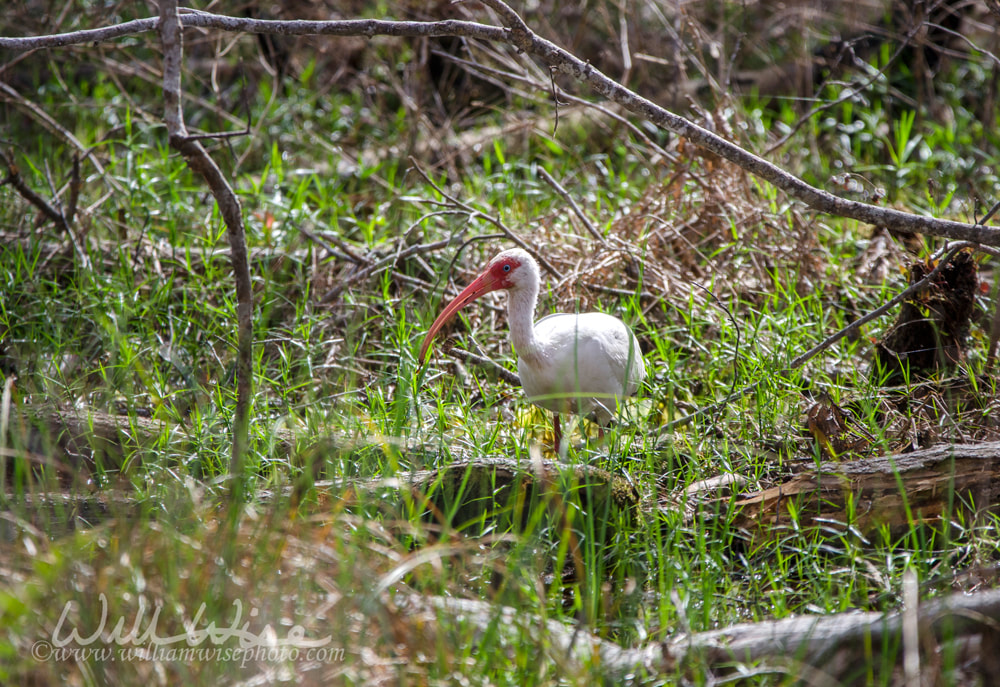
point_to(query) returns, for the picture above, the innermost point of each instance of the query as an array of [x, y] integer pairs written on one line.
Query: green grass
[[150, 333]]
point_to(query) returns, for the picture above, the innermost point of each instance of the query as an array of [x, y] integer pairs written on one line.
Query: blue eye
[[506, 268]]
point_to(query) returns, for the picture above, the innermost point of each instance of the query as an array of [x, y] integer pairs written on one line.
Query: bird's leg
[[557, 432]]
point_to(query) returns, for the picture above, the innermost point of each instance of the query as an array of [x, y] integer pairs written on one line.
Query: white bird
[[578, 363]]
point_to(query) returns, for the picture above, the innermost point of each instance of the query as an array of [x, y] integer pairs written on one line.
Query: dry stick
[[348, 249], [820, 347], [495, 221], [572, 203], [989, 213], [522, 38], [956, 34], [64, 221], [74, 190], [321, 242], [501, 371], [229, 207], [555, 101], [333, 293], [15, 179]]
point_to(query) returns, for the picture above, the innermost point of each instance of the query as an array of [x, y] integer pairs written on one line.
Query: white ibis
[[579, 363]]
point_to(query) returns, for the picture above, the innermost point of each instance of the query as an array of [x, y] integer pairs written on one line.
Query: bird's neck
[[520, 317]]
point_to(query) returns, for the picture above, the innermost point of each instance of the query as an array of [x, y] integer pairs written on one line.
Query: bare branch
[[60, 40], [75, 183], [802, 359], [229, 207], [572, 203], [173, 47], [349, 27], [498, 369], [521, 37]]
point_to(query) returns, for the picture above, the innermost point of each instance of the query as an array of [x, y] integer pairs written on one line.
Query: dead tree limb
[[898, 491], [200, 161], [834, 647], [517, 34]]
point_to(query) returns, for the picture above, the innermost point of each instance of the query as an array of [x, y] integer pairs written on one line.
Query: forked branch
[[201, 162], [519, 35]]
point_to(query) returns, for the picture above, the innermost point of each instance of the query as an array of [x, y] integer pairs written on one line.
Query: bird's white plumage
[[581, 364]]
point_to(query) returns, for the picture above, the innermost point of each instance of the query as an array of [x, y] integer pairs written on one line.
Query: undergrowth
[[723, 280]]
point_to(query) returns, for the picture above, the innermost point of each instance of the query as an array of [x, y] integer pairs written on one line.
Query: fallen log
[[78, 443], [843, 648], [899, 491]]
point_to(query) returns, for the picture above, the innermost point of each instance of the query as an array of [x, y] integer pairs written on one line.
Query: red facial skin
[[496, 277]]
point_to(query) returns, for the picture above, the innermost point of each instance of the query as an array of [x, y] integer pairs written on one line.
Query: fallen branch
[[517, 34], [829, 649], [899, 491]]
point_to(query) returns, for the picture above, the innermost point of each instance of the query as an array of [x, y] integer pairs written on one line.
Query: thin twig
[[198, 159], [823, 345], [347, 248], [989, 214], [319, 240], [572, 203], [74, 190], [377, 266], [501, 371], [956, 34], [495, 221]]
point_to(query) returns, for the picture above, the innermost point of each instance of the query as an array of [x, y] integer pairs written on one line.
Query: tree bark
[[900, 491], [517, 34], [200, 161], [842, 648]]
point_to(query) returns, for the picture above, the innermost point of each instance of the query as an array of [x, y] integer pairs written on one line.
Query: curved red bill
[[483, 284]]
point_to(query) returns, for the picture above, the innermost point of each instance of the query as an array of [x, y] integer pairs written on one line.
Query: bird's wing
[[593, 358]]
